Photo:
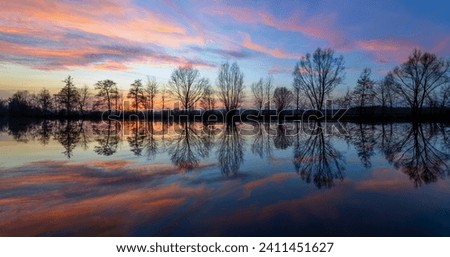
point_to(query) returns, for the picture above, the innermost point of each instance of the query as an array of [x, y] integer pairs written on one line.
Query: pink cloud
[[85, 192], [387, 50], [278, 53], [112, 19], [111, 66], [275, 178], [67, 34], [318, 26], [279, 69], [443, 46]]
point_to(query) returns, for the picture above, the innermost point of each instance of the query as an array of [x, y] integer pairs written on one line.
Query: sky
[[42, 42]]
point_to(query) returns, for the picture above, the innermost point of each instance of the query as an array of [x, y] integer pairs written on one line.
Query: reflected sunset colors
[[190, 179]]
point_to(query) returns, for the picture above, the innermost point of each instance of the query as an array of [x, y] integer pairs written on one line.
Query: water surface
[[81, 178]]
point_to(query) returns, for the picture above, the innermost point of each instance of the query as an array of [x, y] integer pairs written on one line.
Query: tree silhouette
[[44, 100], [136, 93], [418, 77], [268, 87], [282, 98], [208, 100], [258, 93], [317, 75], [19, 103], [69, 96], [84, 98], [384, 91], [445, 95], [186, 86], [150, 91], [107, 91], [230, 84], [364, 93], [346, 100]]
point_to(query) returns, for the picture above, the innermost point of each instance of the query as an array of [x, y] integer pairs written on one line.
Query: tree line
[[423, 80]]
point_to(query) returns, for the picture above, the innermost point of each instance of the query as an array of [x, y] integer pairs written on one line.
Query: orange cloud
[[384, 179], [68, 33], [111, 66], [98, 198], [113, 19], [275, 178]]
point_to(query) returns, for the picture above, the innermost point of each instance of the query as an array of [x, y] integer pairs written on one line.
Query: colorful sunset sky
[[42, 42]]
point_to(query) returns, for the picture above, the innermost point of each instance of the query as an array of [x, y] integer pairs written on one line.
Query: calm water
[[152, 179]]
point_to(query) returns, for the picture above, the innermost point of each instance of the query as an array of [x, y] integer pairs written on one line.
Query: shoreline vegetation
[[416, 90]]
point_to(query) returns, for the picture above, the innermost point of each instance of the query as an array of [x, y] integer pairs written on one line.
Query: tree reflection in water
[[136, 135], [188, 148], [315, 159], [413, 150], [69, 133], [150, 143], [107, 138], [231, 150], [282, 140], [362, 136], [422, 151], [44, 132], [262, 145]]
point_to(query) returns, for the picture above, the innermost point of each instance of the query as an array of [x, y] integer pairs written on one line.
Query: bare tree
[[345, 101], [108, 92], [297, 96], [19, 103], [445, 95], [44, 99], [69, 96], [186, 86], [230, 84], [418, 77], [282, 98], [268, 87], [384, 93], [208, 100], [163, 97], [136, 93], [150, 91], [258, 93], [364, 93], [317, 75], [84, 98]]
